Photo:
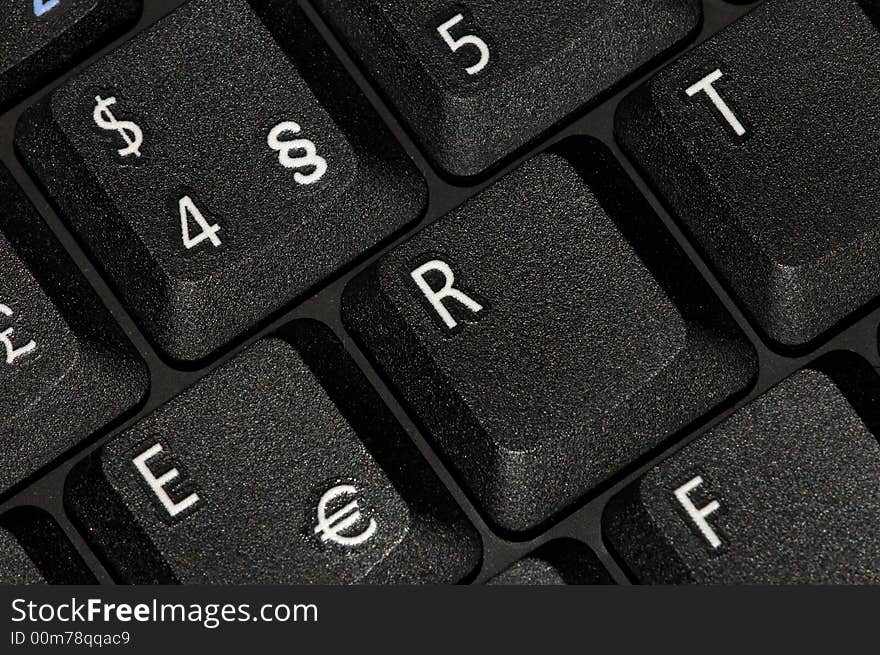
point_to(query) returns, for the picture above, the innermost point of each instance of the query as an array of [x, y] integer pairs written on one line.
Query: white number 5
[[468, 39]]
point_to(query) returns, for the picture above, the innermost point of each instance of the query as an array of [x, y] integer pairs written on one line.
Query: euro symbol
[[331, 528], [130, 132]]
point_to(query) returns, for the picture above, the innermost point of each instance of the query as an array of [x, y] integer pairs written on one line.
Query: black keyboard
[[413, 291]]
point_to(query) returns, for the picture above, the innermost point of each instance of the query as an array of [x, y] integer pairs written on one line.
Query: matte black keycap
[[477, 79], [66, 369], [561, 562], [254, 475], [786, 491], [38, 38], [15, 565], [548, 334], [33, 550], [214, 178], [764, 142]]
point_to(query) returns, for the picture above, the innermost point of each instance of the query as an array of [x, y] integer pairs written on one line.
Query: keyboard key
[[548, 334], [763, 141], [40, 37], [66, 370], [786, 491], [15, 566], [205, 175], [254, 475], [476, 80], [33, 550], [561, 562]]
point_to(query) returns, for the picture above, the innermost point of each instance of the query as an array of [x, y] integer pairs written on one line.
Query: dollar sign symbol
[[130, 132], [309, 159]]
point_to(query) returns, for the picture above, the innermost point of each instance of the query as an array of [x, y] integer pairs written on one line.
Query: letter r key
[[446, 293]]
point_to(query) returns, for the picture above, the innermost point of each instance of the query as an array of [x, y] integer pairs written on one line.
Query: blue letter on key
[[44, 6]]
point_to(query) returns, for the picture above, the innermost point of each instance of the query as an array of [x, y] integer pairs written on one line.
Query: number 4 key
[[189, 211], [248, 215]]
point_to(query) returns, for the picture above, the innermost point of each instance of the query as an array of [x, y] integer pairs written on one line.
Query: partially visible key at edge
[[66, 368], [560, 562], [38, 38], [785, 491], [34, 550]]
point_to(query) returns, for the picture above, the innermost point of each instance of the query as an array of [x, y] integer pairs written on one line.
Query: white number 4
[[188, 210], [468, 39]]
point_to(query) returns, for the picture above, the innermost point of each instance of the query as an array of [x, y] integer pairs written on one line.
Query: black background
[[519, 620]]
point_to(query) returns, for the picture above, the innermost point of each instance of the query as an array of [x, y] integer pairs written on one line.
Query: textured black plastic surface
[[33, 550], [546, 58], [206, 108], [34, 47], [796, 476], [260, 442], [15, 565], [788, 211], [564, 561], [67, 370], [595, 341], [500, 551]]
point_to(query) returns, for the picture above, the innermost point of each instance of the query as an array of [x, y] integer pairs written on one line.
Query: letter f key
[[699, 514]]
